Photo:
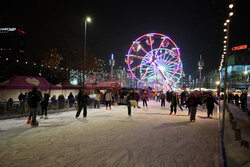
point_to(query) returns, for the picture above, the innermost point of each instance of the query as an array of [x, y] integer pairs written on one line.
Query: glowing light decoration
[[154, 59]]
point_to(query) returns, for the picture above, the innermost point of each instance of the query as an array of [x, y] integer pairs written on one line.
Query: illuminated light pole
[[218, 88], [87, 20], [226, 63], [112, 63], [200, 67]]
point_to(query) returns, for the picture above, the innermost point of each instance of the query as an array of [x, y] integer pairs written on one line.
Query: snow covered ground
[[150, 137]]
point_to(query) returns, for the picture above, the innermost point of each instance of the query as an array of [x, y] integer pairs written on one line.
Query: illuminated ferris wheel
[[155, 59]]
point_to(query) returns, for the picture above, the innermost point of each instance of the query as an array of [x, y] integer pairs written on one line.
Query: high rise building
[[12, 50]]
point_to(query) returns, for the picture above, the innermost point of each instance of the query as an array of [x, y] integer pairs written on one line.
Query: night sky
[[195, 26]]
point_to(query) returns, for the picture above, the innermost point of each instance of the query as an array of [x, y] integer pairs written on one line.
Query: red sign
[[241, 47]]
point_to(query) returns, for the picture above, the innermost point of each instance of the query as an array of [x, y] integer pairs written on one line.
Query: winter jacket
[[131, 96], [79, 96], [193, 102], [45, 101], [108, 97], [210, 102], [85, 99], [98, 97], [70, 97], [174, 100], [33, 98], [137, 96], [163, 97]]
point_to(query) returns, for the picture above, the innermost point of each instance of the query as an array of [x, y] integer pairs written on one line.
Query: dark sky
[[195, 26]]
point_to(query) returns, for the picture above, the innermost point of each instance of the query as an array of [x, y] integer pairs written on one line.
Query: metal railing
[[234, 139], [21, 107]]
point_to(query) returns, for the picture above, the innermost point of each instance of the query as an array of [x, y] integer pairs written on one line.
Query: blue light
[[112, 56]]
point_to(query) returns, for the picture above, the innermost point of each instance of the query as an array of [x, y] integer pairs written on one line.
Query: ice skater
[[144, 99], [174, 102], [44, 105], [108, 98], [193, 102], [34, 98], [163, 98], [209, 101], [83, 104]]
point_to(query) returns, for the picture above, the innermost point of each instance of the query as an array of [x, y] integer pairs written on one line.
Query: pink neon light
[[164, 44], [21, 31]]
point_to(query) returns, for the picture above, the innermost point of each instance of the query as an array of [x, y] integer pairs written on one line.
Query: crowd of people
[[31, 101], [238, 100]]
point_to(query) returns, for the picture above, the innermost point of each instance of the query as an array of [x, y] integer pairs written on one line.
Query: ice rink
[[110, 138]]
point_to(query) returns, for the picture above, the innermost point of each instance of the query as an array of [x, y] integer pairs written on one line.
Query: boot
[[46, 117], [41, 117], [28, 121], [35, 123], [106, 108], [109, 108]]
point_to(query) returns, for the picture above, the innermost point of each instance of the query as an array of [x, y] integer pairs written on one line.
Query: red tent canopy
[[27, 82], [109, 84]]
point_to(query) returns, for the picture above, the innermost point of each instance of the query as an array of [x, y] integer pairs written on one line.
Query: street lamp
[[87, 20], [226, 64]]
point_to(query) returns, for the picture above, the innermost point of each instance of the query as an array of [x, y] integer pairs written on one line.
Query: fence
[[20, 108], [235, 139]]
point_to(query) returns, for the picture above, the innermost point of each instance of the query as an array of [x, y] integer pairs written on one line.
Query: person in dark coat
[[83, 104], [243, 101], [71, 99], [163, 98], [44, 105], [79, 95], [236, 98], [21, 98], [193, 102], [10, 104], [121, 96], [137, 98], [210, 104], [174, 102], [34, 97], [168, 96], [61, 101], [183, 97]]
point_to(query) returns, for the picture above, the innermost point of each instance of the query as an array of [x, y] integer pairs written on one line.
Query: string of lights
[[224, 57], [40, 65], [226, 37]]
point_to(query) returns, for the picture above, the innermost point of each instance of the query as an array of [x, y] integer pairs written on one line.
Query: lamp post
[[227, 23], [87, 20]]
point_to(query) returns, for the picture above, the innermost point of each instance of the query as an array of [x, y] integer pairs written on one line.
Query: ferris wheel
[[155, 59]]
